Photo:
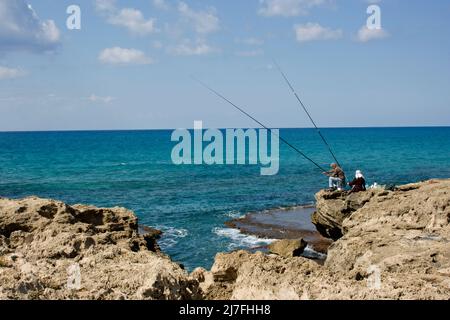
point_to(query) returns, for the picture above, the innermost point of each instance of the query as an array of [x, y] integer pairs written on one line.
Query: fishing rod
[[307, 112], [258, 122]]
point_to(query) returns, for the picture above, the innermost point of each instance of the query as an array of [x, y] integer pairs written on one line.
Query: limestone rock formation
[[395, 246], [50, 250], [332, 207], [404, 235], [288, 248], [392, 245]]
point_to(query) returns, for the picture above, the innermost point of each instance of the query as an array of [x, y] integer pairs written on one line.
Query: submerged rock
[[288, 248], [50, 250], [284, 223]]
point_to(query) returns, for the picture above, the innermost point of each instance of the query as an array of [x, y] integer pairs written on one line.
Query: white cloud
[[10, 73], [105, 5], [188, 48], [287, 8], [134, 21], [314, 32], [161, 4], [95, 98], [122, 56], [365, 34], [129, 18], [204, 21], [250, 53], [22, 29]]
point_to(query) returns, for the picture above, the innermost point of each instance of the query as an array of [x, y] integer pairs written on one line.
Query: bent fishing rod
[[258, 122], [307, 112]]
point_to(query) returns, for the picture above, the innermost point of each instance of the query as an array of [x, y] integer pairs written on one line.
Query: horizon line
[[224, 128]]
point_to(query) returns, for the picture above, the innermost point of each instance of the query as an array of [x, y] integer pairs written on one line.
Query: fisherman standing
[[336, 177]]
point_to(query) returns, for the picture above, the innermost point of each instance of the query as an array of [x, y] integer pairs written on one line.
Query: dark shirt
[[337, 173], [358, 184]]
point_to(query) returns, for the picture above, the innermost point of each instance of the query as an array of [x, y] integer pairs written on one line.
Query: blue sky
[[129, 65]]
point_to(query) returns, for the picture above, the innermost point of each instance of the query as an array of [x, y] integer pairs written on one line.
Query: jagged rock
[[50, 250], [332, 207], [288, 248], [199, 274], [403, 233], [395, 246], [258, 276]]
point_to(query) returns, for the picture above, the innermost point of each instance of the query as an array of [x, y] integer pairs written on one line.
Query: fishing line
[[258, 122], [307, 112]]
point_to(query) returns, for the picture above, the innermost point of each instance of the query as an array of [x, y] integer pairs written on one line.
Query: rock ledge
[[50, 250]]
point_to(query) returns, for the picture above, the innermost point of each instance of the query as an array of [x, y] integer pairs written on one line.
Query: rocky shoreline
[[284, 223], [50, 250], [388, 244]]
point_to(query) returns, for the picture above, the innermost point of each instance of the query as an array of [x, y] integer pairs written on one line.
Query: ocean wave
[[234, 214], [171, 236], [240, 240]]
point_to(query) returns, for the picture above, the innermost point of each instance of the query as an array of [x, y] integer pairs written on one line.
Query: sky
[[130, 64]]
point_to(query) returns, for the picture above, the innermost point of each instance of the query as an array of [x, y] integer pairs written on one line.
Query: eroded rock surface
[[288, 248], [394, 245], [332, 207], [391, 245], [50, 250]]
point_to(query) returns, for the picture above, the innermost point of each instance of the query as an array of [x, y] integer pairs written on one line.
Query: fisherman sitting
[[337, 177], [359, 183]]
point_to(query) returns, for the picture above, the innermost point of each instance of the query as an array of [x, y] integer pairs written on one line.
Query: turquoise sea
[[190, 204]]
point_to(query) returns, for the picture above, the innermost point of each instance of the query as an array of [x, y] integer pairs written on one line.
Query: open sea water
[[190, 204]]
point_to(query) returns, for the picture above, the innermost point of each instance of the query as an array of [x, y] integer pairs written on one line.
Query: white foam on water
[[234, 215], [240, 240], [118, 164], [170, 236], [312, 254]]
